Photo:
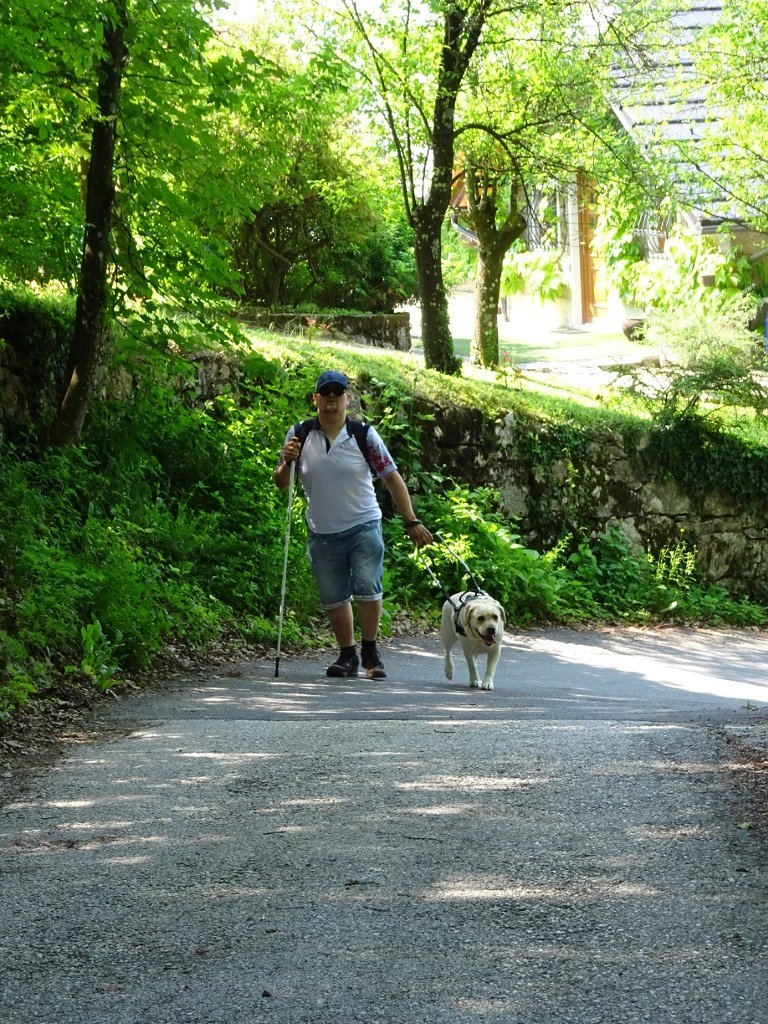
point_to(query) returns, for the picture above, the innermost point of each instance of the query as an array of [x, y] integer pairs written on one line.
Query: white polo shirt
[[337, 479]]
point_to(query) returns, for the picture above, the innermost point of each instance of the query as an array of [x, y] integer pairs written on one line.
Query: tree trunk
[[435, 326], [462, 28], [91, 310], [484, 350], [493, 241]]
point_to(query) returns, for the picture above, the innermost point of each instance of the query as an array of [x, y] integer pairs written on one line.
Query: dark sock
[[348, 653], [368, 647]]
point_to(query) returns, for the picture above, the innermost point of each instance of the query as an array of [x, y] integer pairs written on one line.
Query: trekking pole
[[285, 565]]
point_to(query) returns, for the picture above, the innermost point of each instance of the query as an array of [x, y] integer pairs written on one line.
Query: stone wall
[[600, 482], [385, 330]]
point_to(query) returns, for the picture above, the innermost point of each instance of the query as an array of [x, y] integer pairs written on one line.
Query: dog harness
[[464, 599]]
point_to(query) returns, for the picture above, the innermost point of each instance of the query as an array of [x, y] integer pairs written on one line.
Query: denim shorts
[[348, 565]]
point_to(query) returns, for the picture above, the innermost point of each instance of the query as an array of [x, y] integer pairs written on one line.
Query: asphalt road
[[572, 848]]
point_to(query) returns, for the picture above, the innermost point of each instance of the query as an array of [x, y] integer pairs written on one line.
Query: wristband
[[410, 523]]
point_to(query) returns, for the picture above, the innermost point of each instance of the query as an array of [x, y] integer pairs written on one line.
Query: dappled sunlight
[[108, 824], [122, 800], [222, 757], [441, 810], [697, 768], [125, 862], [70, 803], [149, 735], [470, 889], [419, 651], [328, 801], [697, 666], [676, 833], [115, 840], [529, 851], [475, 783], [616, 673], [42, 843], [640, 728], [303, 833]]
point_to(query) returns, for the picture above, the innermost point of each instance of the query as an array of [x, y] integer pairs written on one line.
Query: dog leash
[[467, 596], [475, 585]]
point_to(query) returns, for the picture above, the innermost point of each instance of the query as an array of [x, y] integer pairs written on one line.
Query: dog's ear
[[503, 615]]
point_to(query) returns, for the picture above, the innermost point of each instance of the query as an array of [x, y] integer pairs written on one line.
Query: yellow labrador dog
[[476, 621]]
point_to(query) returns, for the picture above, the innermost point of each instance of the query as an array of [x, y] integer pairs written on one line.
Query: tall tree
[[167, 134], [326, 226], [536, 113], [91, 312], [47, 56], [729, 164], [415, 61], [497, 224]]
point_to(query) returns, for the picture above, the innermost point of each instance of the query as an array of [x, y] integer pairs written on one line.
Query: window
[[651, 231]]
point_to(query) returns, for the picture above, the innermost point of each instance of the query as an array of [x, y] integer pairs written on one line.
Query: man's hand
[[292, 450], [419, 534], [289, 454]]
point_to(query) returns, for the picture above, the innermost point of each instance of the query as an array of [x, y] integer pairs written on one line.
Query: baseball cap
[[331, 377]]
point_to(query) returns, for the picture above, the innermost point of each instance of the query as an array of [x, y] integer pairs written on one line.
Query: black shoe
[[373, 665], [345, 667]]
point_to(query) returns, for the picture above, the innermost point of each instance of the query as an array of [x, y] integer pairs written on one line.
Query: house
[[672, 118], [665, 112]]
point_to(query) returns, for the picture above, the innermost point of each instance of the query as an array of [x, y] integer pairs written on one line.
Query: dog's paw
[[448, 668], [474, 683], [487, 684]]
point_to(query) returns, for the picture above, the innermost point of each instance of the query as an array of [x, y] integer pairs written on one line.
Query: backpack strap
[[355, 428], [301, 430], [359, 431]]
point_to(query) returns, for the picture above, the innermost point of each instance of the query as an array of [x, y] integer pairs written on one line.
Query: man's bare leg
[[369, 613], [343, 624]]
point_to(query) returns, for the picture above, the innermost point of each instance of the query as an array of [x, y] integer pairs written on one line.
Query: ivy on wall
[[701, 458]]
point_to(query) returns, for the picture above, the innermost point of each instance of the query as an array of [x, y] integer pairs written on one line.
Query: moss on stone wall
[[35, 333]]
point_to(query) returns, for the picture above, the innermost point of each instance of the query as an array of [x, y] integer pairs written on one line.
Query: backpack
[[356, 428]]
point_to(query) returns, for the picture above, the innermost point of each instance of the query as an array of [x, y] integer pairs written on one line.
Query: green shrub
[[633, 586], [97, 664], [162, 526], [710, 360], [16, 685], [603, 580]]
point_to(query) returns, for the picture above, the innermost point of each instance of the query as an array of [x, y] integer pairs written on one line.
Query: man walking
[[345, 545]]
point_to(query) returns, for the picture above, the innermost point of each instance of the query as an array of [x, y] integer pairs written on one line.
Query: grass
[[562, 375], [560, 348], [530, 337], [537, 395]]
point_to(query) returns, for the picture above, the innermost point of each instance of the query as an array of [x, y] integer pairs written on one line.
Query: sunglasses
[[333, 389]]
